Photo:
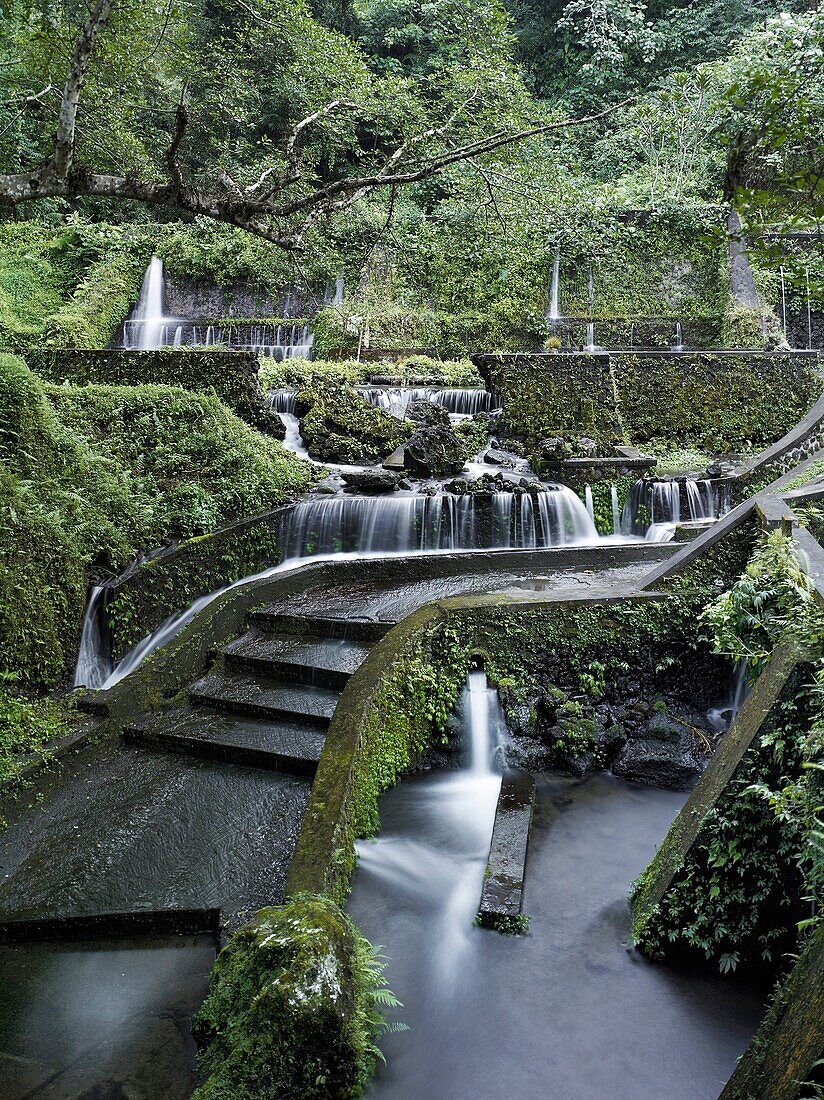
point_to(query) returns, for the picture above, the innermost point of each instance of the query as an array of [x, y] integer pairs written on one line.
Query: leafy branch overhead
[[391, 133]]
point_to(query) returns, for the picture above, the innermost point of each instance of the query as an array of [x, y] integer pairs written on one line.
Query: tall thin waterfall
[[783, 302], [94, 662], [553, 313], [437, 864], [350, 524], [616, 511], [591, 346], [144, 330], [678, 339]]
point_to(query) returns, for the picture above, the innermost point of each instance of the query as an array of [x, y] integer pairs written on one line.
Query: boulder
[[554, 449], [434, 452], [371, 481], [427, 413], [337, 425], [494, 457], [658, 763]]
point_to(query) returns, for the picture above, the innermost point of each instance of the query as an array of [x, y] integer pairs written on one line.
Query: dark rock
[[499, 458], [527, 753], [586, 447], [339, 426], [459, 485], [659, 763], [610, 740], [556, 449], [434, 452], [427, 413], [371, 481], [582, 764]]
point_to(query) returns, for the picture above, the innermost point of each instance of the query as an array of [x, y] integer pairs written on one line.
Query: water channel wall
[[718, 400]]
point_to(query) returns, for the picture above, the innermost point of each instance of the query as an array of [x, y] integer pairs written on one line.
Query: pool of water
[[101, 1019], [566, 1012]]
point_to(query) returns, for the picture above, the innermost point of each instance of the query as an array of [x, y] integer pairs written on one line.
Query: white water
[[616, 512], [327, 528], [721, 718], [437, 864], [457, 402], [678, 345], [783, 302], [588, 502], [554, 314], [92, 663], [148, 327], [653, 508]]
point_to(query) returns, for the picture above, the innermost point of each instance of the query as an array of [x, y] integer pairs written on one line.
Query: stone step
[[257, 742], [264, 697], [274, 619], [503, 889], [328, 662]]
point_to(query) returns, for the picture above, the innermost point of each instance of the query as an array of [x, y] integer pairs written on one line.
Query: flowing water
[[459, 403], [553, 313], [653, 509], [148, 327], [566, 1011]]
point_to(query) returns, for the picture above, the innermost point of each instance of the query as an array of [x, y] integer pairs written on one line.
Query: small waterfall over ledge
[[654, 508], [457, 402], [443, 521]]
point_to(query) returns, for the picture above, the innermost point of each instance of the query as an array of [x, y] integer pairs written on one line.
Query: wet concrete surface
[[566, 1012], [101, 1019], [141, 830], [391, 601]]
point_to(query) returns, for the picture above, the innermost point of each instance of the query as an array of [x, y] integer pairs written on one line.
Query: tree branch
[[67, 116]]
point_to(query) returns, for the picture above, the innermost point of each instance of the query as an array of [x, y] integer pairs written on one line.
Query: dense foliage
[[92, 475]]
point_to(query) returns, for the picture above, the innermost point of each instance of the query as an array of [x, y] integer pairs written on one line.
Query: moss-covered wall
[[233, 376], [723, 402]]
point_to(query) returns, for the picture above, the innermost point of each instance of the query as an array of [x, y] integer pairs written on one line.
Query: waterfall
[[653, 508], [94, 663], [591, 346], [783, 302], [616, 513], [436, 863], [281, 401], [143, 331], [679, 340], [554, 314], [468, 402], [722, 717], [351, 524], [457, 402], [809, 312], [590, 507]]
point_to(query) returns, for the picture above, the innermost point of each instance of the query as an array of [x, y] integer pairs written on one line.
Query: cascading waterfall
[[437, 864], [653, 508], [94, 662], [328, 526], [457, 402], [148, 328], [281, 401], [445, 521]]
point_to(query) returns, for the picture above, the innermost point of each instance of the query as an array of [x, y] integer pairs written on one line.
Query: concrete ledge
[[185, 922], [683, 832], [809, 427], [503, 890]]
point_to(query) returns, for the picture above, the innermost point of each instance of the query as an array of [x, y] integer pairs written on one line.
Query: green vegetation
[[757, 864], [293, 1007], [339, 425], [90, 476], [416, 370]]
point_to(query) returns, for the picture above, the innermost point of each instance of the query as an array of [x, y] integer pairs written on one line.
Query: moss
[[418, 370], [26, 727], [505, 925], [341, 427], [89, 476], [292, 1008]]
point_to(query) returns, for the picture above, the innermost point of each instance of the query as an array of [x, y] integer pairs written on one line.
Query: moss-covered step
[[790, 1041], [350, 628], [281, 745], [328, 662], [266, 698], [503, 889], [756, 711]]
